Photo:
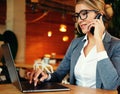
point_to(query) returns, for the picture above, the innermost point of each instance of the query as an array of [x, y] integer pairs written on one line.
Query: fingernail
[[35, 84], [41, 80], [34, 78]]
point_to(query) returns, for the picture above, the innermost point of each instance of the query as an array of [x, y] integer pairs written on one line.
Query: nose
[[79, 20]]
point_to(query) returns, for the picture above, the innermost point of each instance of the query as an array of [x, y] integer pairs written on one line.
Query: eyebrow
[[87, 10]]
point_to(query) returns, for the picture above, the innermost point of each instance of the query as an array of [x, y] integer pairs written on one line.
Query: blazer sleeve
[[108, 69]]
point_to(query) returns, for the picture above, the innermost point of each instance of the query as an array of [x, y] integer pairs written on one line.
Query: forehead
[[80, 7]]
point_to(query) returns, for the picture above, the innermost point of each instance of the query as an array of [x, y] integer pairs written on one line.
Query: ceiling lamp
[[49, 33], [34, 1], [65, 38], [63, 28]]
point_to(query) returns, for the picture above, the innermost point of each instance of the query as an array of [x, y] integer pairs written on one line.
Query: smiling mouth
[[83, 26]]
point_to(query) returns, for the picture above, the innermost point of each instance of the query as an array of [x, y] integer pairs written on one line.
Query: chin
[[85, 31]]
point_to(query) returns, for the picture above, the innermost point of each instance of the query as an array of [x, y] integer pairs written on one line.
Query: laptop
[[25, 86]]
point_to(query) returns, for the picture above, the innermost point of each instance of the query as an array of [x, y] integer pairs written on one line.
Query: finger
[[37, 73], [101, 18], [97, 21], [91, 25], [32, 76], [28, 75], [35, 82], [44, 76]]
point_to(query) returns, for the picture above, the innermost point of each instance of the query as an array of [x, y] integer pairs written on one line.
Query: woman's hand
[[98, 34], [36, 76], [99, 28]]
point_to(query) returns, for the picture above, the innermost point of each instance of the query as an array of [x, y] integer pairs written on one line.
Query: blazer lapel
[[76, 53], [74, 57]]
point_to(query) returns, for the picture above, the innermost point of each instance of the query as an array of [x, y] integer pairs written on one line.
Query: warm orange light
[[49, 33], [47, 55], [63, 28], [65, 38], [34, 1]]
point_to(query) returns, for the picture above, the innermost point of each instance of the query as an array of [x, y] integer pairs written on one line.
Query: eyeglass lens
[[83, 14]]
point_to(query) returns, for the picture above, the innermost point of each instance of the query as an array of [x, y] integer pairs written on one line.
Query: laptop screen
[[9, 62]]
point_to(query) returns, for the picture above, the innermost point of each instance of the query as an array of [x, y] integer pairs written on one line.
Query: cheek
[[91, 17], [84, 29]]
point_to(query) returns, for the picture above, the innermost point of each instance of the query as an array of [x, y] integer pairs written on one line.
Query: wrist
[[99, 46]]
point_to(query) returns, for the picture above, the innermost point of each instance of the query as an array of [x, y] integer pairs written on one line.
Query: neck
[[91, 39]]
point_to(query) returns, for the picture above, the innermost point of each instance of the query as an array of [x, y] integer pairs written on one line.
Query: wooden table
[[11, 89], [23, 68], [30, 66]]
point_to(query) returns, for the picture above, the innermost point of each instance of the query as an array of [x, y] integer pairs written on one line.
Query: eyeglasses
[[83, 14]]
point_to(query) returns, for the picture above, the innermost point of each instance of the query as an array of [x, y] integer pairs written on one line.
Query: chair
[[10, 37]]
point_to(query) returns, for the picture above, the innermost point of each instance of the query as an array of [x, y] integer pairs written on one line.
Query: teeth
[[83, 25]]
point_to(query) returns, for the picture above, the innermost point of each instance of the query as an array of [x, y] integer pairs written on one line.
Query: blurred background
[[43, 27]]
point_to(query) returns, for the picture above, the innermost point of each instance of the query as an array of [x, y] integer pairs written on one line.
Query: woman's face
[[86, 15]]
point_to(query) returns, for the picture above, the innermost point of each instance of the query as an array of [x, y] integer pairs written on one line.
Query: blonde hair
[[100, 5]]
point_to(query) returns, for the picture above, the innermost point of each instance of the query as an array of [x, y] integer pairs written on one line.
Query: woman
[[92, 60]]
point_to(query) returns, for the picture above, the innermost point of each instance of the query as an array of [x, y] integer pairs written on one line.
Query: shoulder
[[114, 41], [77, 40], [109, 38]]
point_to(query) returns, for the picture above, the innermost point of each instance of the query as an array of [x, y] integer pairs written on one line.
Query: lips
[[83, 26]]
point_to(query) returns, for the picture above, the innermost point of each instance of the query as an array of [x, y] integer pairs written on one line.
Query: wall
[[2, 29], [32, 31], [15, 21], [12, 17], [37, 41]]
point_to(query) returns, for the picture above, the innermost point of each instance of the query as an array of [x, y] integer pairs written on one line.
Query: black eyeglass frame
[[77, 15]]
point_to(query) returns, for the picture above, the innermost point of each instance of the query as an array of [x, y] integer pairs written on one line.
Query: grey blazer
[[108, 70]]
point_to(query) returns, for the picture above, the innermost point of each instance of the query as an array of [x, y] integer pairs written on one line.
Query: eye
[[84, 12], [76, 14]]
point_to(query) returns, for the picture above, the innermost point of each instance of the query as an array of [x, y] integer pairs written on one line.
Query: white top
[[85, 69]]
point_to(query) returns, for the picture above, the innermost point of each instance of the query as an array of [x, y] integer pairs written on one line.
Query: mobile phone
[[92, 28]]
